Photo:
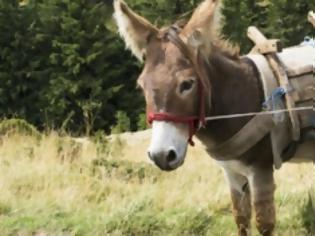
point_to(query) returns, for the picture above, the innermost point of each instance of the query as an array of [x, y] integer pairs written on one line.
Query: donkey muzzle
[[166, 160]]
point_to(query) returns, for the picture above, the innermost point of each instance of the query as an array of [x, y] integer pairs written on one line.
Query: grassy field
[[56, 186]]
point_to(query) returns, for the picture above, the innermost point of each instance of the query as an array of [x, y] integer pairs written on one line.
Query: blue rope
[[274, 102], [308, 41]]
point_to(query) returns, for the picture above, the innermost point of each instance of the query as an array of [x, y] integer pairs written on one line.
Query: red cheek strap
[[191, 121]]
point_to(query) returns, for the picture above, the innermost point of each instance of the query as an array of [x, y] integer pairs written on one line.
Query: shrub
[[61, 66], [102, 144], [308, 215], [122, 123], [18, 126], [142, 122]]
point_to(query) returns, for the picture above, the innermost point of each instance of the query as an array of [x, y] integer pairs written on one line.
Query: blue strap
[[274, 102]]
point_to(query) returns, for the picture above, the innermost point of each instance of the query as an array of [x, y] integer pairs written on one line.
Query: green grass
[[57, 186]]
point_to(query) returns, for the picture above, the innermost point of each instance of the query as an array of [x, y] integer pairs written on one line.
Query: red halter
[[193, 122], [190, 120]]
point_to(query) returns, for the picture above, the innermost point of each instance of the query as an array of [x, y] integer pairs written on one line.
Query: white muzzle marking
[[169, 137]]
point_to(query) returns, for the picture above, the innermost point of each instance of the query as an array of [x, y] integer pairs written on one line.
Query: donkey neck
[[235, 89]]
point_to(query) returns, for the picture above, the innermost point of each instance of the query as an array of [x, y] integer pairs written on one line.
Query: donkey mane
[[227, 49]]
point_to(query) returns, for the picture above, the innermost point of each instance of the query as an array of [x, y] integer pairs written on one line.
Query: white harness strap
[[300, 64], [280, 135]]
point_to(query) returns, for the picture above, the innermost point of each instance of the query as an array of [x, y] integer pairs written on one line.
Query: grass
[[57, 186]]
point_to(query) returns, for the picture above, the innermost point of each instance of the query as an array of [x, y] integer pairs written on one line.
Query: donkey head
[[173, 79]]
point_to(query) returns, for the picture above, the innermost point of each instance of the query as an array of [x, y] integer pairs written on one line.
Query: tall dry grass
[[57, 186]]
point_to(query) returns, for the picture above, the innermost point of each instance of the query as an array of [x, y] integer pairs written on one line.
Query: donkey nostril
[[171, 156]]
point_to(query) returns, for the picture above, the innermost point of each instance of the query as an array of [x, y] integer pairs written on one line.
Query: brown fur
[[234, 88], [242, 210], [203, 21], [133, 28]]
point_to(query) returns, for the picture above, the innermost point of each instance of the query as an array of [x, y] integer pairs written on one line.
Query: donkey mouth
[[166, 161], [166, 168]]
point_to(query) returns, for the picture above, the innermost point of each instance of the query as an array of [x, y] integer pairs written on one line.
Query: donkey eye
[[186, 85]]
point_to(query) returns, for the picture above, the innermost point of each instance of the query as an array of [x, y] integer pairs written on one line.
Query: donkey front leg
[[240, 195], [262, 191]]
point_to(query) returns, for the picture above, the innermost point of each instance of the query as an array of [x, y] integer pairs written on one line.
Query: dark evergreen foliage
[[281, 19], [63, 66]]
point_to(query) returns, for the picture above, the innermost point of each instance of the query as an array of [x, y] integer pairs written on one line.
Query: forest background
[[63, 66]]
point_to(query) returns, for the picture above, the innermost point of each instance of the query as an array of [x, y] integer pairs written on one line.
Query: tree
[[283, 19], [63, 65]]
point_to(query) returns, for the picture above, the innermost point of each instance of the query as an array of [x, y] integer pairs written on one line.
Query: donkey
[[189, 73]]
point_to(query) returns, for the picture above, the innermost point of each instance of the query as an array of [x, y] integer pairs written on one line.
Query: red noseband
[[192, 122]]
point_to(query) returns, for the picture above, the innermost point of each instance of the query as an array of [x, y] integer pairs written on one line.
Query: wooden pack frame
[[279, 72]]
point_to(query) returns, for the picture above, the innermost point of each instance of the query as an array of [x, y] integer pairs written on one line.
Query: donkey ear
[[202, 26], [134, 29]]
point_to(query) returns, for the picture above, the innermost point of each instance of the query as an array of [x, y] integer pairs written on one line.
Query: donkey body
[[170, 84]]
